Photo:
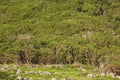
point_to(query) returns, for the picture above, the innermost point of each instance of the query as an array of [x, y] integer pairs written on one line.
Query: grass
[[69, 72]]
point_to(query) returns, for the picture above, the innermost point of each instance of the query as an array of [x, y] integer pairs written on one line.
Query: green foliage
[[4, 75], [37, 72], [59, 31]]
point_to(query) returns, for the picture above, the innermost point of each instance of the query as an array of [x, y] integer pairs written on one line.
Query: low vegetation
[[48, 32], [52, 72]]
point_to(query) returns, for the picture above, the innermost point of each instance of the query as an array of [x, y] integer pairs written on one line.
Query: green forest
[[60, 32]]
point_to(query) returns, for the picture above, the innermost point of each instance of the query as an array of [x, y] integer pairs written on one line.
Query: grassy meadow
[[51, 72]]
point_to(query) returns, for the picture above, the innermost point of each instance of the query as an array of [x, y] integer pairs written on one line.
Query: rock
[[19, 71], [48, 66], [20, 78], [2, 69], [35, 66], [41, 79], [44, 73], [30, 79], [81, 68], [63, 79], [60, 66], [118, 77], [90, 75], [88, 34], [70, 78], [47, 73], [103, 74], [24, 36], [56, 73], [39, 72], [25, 78], [14, 66], [112, 75], [6, 67], [53, 79]]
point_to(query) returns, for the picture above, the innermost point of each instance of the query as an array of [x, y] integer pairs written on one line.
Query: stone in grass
[[111, 74], [2, 69], [82, 69], [91, 75], [70, 78], [28, 78], [47, 73], [6, 67], [20, 78], [44, 73], [19, 71], [15, 66], [63, 79], [56, 73], [103, 74], [118, 77], [54, 79], [41, 79]]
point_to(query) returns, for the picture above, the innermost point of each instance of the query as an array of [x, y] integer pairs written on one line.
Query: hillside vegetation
[[60, 32]]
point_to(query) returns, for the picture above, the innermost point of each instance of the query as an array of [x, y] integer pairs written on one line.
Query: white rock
[[6, 67], [18, 71], [2, 69], [112, 75], [61, 66], [118, 77], [25, 78], [102, 74], [63, 79], [53, 79], [47, 73], [32, 72], [56, 73], [90, 75], [81, 68], [19, 78], [41, 79], [30, 79], [48, 66], [14, 66]]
